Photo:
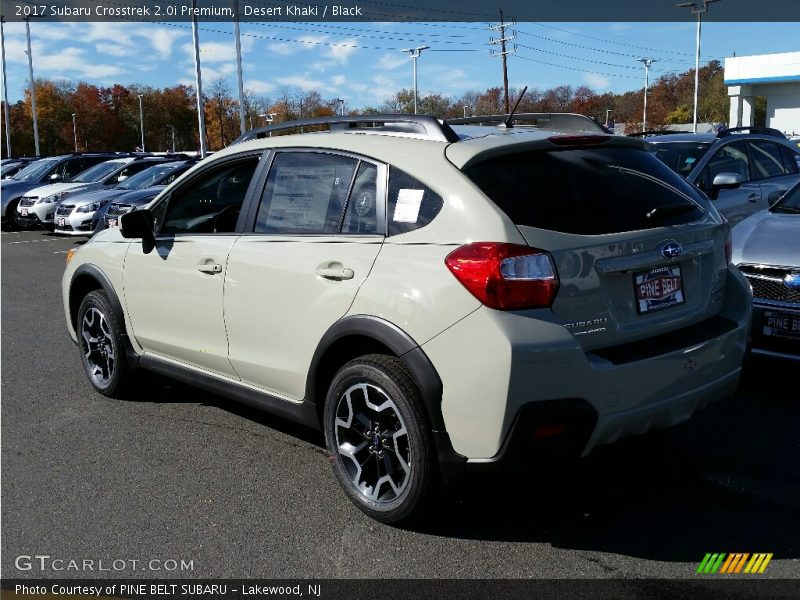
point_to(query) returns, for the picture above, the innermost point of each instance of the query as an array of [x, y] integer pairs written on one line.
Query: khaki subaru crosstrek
[[436, 297]]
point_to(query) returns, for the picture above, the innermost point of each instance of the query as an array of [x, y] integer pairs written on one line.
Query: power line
[[543, 62]]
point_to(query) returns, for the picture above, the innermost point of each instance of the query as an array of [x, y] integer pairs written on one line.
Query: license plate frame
[[113, 223], [23, 212], [658, 288], [62, 222], [776, 324]]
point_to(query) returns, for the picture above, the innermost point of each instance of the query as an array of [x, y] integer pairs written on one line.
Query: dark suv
[[55, 169], [743, 169]]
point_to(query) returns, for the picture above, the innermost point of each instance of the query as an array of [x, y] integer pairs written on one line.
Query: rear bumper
[[505, 377]]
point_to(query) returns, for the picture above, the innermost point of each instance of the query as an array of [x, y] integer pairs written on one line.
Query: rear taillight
[[505, 276]]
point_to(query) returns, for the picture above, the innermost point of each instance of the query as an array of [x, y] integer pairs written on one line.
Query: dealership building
[[774, 76]]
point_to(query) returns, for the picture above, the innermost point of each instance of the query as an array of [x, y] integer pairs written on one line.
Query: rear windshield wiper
[[660, 212]]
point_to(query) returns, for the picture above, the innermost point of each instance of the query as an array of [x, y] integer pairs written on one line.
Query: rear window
[[588, 191]]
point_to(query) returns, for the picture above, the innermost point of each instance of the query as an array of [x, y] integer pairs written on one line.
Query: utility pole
[[75, 132], [501, 27]]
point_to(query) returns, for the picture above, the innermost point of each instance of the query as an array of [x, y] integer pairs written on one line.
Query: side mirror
[[727, 181], [139, 224], [121, 178], [55, 177]]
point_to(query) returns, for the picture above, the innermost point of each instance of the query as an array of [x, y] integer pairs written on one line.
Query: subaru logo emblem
[[671, 250], [792, 281]]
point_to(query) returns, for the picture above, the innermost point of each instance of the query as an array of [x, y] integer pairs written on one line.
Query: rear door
[[637, 251], [314, 237], [775, 169], [738, 203]]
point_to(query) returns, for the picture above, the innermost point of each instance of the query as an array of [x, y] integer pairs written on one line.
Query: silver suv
[[435, 297], [743, 170]]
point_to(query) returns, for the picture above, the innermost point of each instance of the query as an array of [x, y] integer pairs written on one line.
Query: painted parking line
[[37, 241]]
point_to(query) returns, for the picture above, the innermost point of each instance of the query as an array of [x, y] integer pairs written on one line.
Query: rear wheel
[[99, 331], [377, 435]]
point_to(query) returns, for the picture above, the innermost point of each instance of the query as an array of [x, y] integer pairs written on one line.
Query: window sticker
[[407, 208], [301, 195]]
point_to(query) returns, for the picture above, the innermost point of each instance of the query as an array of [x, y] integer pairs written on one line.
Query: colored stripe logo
[[737, 562]]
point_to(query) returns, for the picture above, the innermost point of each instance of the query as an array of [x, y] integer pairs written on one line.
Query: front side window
[[209, 204], [731, 158], [306, 193]]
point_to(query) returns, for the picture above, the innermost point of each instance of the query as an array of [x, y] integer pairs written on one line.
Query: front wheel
[[377, 434], [12, 222], [99, 331]]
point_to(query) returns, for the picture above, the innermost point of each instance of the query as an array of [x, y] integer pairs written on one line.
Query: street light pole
[[5, 89], [696, 9], [239, 66], [172, 127], [465, 111], [647, 62], [141, 119], [608, 111], [33, 86], [414, 54], [75, 132], [201, 116]]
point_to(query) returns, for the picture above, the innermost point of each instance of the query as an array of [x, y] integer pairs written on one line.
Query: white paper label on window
[[407, 208]]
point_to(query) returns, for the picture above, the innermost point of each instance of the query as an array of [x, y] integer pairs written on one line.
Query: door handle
[[210, 268], [335, 273], [753, 198]]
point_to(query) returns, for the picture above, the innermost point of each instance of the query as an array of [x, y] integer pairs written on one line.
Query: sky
[[363, 63]]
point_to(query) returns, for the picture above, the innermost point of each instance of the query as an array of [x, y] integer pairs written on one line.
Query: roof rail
[[762, 130], [657, 132], [553, 121], [423, 126]]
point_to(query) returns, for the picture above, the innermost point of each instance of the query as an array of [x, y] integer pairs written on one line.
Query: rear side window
[[587, 191], [412, 204], [767, 159], [791, 160]]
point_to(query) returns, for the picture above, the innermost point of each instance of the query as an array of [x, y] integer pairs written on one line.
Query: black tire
[[99, 329], [12, 223], [394, 442]]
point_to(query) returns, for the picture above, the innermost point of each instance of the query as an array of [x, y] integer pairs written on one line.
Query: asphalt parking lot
[[184, 475]]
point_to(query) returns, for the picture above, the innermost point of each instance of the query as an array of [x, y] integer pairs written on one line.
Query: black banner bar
[[701, 588], [397, 10]]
